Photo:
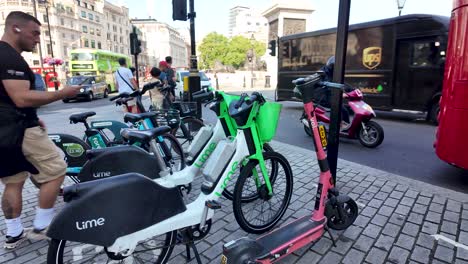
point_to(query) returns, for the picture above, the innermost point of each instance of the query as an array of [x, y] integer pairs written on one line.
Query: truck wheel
[[434, 112]]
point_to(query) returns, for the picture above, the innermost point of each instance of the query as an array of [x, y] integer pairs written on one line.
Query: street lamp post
[[401, 4], [250, 57], [46, 5]]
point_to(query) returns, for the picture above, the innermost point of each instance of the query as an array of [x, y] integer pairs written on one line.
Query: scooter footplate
[[286, 234]]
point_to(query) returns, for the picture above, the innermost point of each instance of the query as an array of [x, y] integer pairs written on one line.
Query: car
[[93, 87], [39, 83], [205, 82]]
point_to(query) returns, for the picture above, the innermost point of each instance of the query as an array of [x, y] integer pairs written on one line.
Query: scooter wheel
[[335, 220], [307, 130], [372, 135]]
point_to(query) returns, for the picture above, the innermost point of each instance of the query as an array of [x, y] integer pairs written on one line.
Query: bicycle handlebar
[[145, 88]]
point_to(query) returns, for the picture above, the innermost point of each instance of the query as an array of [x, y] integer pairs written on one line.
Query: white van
[[205, 82]]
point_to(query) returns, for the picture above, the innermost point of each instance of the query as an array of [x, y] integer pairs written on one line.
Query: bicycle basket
[[168, 117], [267, 120], [185, 108]]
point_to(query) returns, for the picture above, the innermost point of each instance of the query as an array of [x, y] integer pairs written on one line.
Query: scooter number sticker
[[223, 259], [323, 135]]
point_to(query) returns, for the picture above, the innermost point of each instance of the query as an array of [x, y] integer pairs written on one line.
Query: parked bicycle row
[[139, 167]]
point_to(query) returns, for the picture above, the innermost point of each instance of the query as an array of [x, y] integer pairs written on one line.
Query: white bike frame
[[197, 212], [187, 175]]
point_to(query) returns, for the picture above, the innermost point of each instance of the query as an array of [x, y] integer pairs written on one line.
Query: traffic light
[[285, 49], [179, 10], [135, 44], [272, 47]]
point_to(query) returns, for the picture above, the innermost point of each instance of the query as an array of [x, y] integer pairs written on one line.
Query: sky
[[213, 15]]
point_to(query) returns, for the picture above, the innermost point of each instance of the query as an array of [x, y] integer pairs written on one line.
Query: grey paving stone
[[384, 242], [309, 257], [376, 256], [396, 195], [401, 188], [322, 246], [402, 209], [449, 227], [453, 206], [398, 255], [372, 230], [423, 200], [435, 207], [433, 217], [444, 243], [376, 203], [392, 202], [419, 208], [353, 232], [386, 210], [464, 225], [352, 257], [364, 243], [425, 240], [24, 258], [430, 228], [331, 258], [462, 254], [382, 195], [405, 241], [379, 220], [463, 237], [410, 229], [451, 216], [397, 219], [362, 221], [415, 218], [408, 201], [443, 253], [391, 230], [439, 199], [420, 254], [369, 212]]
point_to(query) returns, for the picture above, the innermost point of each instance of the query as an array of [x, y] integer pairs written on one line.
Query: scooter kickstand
[[331, 237]]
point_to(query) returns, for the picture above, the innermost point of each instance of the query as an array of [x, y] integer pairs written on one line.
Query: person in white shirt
[[125, 83]]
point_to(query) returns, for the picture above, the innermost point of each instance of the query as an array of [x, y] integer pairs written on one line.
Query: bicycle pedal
[[213, 204]]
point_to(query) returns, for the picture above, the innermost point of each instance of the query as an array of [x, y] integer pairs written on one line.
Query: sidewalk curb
[[414, 184]]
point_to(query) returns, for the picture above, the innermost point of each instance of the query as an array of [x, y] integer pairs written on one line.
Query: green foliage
[[233, 52]]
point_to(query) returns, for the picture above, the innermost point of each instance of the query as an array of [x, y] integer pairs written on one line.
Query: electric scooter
[[369, 133], [331, 210]]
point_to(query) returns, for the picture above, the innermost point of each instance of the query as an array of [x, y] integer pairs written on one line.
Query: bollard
[[217, 84], [267, 81], [244, 82]]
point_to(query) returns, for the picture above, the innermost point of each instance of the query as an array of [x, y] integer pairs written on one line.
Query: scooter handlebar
[[333, 85]]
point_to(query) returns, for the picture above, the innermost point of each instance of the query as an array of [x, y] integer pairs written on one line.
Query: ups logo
[[371, 57]]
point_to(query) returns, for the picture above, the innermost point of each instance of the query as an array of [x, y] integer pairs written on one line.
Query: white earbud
[[17, 29]]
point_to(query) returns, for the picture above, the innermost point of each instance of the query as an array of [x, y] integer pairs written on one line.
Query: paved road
[[407, 148]]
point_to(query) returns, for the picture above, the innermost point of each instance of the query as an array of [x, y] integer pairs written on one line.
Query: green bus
[[96, 62]]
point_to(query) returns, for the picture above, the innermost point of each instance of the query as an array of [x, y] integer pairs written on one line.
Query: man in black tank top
[[24, 145]]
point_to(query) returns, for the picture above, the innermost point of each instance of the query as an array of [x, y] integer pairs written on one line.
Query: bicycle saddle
[[133, 118], [81, 117], [144, 136]]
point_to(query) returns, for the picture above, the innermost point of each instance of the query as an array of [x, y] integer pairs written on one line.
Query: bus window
[[82, 57]]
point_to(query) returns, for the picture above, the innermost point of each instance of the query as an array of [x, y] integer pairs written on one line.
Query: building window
[[113, 18], [64, 35], [85, 29], [92, 7], [114, 28], [120, 30], [93, 44], [98, 31], [35, 62], [99, 46], [65, 51], [121, 39], [108, 26], [121, 50], [45, 18], [91, 31], [97, 18], [115, 38], [62, 21], [83, 14], [49, 49], [108, 36], [90, 16], [86, 5], [86, 43], [46, 33], [78, 2], [72, 25]]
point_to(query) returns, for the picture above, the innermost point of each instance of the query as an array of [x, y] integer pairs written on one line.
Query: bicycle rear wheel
[[155, 250], [187, 130], [255, 210], [176, 158]]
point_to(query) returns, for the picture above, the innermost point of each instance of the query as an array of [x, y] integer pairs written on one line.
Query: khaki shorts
[[43, 154]]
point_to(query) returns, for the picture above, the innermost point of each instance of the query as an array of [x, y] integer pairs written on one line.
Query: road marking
[[450, 241]]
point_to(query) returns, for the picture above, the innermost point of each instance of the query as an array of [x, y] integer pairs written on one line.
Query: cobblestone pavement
[[400, 220]]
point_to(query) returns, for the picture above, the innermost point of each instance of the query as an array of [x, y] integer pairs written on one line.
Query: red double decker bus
[[451, 137]]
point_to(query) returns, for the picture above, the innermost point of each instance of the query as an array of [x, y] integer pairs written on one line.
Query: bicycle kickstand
[[331, 237], [191, 244]]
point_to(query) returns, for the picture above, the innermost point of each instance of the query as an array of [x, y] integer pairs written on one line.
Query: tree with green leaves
[[213, 47]]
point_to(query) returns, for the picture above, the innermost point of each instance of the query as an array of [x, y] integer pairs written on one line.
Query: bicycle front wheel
[[187, 130], [173, 154], [155, 250], [256, 210]]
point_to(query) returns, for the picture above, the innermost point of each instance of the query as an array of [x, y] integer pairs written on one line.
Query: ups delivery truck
[[398, 63]]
